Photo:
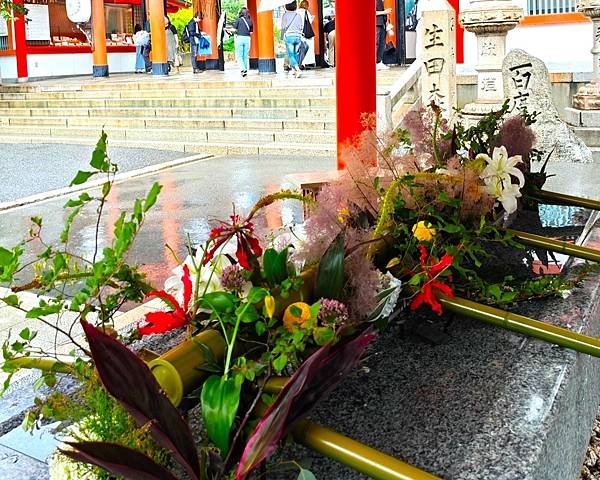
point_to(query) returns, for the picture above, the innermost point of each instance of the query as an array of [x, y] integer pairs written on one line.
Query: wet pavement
[[194, 196], [32, 169]]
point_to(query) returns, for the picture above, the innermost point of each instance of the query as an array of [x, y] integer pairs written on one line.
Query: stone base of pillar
[[212, 64], [160, 68], [588, 96], [471, 113], [267, 65], [100, 71], [254, 64]]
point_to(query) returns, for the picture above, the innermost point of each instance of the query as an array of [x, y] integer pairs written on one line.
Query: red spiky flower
[[161, 322], [243, 231], [432, 268]]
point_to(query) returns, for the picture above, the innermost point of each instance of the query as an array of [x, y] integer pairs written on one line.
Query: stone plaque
[[438, 51], [527, 85]]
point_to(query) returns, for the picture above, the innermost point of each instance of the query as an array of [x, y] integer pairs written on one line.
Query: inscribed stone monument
[[438, 51], [527, 85]]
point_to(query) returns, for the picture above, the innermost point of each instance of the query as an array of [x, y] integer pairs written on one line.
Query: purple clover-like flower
[[232, 278], [332, 312]]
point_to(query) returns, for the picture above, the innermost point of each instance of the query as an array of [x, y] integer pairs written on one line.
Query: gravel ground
[[29, 169], [591, 464]]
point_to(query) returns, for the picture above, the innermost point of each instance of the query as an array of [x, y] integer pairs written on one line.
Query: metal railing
[[548, 7], [3, 42], [406, 90]]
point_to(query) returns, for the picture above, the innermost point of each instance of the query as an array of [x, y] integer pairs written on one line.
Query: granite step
[[172, 122], [196, 135], [589, 135], [211, 148], [171, 102]]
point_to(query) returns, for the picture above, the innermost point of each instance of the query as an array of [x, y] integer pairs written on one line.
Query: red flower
[[433, 269], [161, 322], [247, 243]]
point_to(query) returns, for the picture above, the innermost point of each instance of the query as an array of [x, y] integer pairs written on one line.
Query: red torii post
[[356, 80]]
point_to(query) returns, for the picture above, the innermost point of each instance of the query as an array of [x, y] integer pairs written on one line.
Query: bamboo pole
[[525, 325], [355, 455], [558, 246], [44, 364], [564, 199]]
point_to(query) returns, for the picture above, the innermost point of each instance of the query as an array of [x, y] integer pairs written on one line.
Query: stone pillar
[[266, 46], [356, 80], [438, 51], [99, 55], [490, 21], [588, 96], [158, 37]]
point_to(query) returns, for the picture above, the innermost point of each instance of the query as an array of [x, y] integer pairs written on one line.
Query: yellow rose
[[423, 232], [269, 306]]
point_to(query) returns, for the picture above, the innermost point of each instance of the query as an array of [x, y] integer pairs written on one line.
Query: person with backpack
[[141, 40], [242, 28], [192, 35]]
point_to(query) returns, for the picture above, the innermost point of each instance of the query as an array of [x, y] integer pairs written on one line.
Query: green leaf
[[25, 333], [330, 277], [220, 399], [450, 228], [81, 177], [323, 335], [495, 291], [248, 314], [99, 160], [11, 300], [280, 362], [257, 294], [306, 475], [40, 311], [260, 328], [152, 196], [221, 302]]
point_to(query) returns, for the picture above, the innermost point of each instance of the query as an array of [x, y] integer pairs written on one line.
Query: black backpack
[[185, 36]]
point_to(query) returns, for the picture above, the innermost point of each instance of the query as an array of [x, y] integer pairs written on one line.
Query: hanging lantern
[[79, 11]]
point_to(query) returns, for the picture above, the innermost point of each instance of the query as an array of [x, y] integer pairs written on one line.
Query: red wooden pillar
[[460, 33], [266, 46], [159, 38], [356, 80], [21, 45], [251, 5], [209, 24], [99, 56]]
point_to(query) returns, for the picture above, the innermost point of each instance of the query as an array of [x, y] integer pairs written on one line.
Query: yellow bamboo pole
[[525, 325], [558, 246], [564, 199]]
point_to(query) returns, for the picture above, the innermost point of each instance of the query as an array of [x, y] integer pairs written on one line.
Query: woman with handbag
[[292, 26], [243, 28], [308, 34]]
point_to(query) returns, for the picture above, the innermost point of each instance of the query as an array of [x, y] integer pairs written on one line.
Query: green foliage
[[8, 8], [179, 20], [330, 276], [232, 8]]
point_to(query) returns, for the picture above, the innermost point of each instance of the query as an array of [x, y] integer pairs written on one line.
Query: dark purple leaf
[[315, 378], [127, 378], [118, 460]]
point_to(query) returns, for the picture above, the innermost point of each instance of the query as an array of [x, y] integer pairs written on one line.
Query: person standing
[[292, 25], [243, 28], [380, 32], [194, 33], [329, 31], [309, 58], [141, 39], [171, 36]]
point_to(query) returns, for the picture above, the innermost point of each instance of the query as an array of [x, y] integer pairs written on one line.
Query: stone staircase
[[276, 116]]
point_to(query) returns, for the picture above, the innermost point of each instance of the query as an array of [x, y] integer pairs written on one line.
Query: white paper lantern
[[79, 11]]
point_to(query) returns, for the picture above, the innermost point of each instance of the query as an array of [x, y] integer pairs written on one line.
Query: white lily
[[501, 165], [497, 177]]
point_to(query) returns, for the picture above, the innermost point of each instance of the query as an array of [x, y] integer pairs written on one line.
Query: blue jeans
[[242, 52], [292, 43], [140, 64], [194, 49]]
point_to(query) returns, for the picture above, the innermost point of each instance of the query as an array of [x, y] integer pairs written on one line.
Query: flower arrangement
[[410, 230]]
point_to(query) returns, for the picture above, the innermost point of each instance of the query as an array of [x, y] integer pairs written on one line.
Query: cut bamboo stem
[[558, 246], [563, 199], [44, 364], [355, 455], [525, 325]]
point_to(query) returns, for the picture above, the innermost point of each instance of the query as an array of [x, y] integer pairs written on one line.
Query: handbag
[[185, 36], [307, 30], [302, 51], [203, 42]]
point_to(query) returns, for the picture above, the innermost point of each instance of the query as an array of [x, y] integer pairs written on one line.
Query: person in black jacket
[[380, 33], [243, 28], [194, 33]]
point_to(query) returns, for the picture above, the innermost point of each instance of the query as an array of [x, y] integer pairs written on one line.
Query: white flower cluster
[[497, 177]]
